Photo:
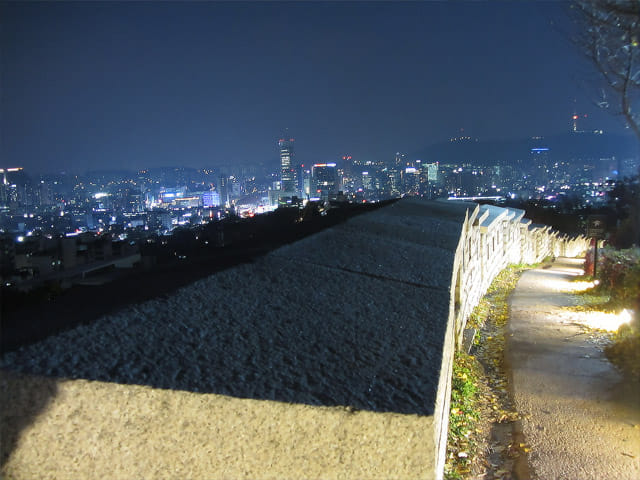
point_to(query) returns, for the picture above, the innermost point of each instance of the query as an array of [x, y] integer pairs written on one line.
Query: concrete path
[[581, 419]]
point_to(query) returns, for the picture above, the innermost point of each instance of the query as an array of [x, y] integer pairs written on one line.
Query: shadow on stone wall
[[340, 339], [149, 338], [303, 325], [22, 399], [324, 346], [27, 318]]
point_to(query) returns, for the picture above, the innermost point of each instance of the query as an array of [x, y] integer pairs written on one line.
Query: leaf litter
[[482, 443]]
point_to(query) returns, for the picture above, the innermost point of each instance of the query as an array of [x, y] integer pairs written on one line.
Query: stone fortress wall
[[328, 358], [492, 238]]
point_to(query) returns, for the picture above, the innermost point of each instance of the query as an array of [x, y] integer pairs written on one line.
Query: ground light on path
[[579, 415]]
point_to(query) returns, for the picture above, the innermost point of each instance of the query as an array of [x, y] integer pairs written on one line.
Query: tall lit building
[[410, 180], [367, 182], [288, 172], [432, 172], [210, 199], [223, 191], [306, 182], [15, 187], [540, 165], [7, 173], [394, 176], [325, 180]]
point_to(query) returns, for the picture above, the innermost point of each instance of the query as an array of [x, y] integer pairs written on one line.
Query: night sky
[[136, 84]]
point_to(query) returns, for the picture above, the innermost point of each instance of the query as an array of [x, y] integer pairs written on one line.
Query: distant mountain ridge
[[563, 147]]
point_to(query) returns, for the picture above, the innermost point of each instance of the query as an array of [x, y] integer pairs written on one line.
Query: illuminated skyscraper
[[540, 165], [410, 180], [367, 182], [325, 180], [223, 191], [15, 187], [432, 172], [287, 168]]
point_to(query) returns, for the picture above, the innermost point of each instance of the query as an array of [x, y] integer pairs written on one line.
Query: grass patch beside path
[[624, 351], [618, 290], [622, 347], [480, 400], [465, 411]]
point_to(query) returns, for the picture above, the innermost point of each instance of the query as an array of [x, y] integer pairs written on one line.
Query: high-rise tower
[[325, 180], [287, 168]]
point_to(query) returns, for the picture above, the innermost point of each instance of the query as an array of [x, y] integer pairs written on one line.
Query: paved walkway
[[581, 419]]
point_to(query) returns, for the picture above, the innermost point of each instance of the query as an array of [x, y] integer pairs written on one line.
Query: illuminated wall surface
[[328, 358]]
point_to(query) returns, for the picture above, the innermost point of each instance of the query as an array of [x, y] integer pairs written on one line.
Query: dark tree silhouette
[[609, 35], [625, 199]]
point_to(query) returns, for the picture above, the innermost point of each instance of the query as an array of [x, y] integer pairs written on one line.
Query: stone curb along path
[[580, 417]]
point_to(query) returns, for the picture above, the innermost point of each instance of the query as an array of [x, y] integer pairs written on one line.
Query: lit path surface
[[581, 419]]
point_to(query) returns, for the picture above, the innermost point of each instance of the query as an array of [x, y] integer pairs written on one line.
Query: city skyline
[[138, 85]]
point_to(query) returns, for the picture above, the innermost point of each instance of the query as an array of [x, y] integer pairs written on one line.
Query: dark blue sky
[[140, 84]]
